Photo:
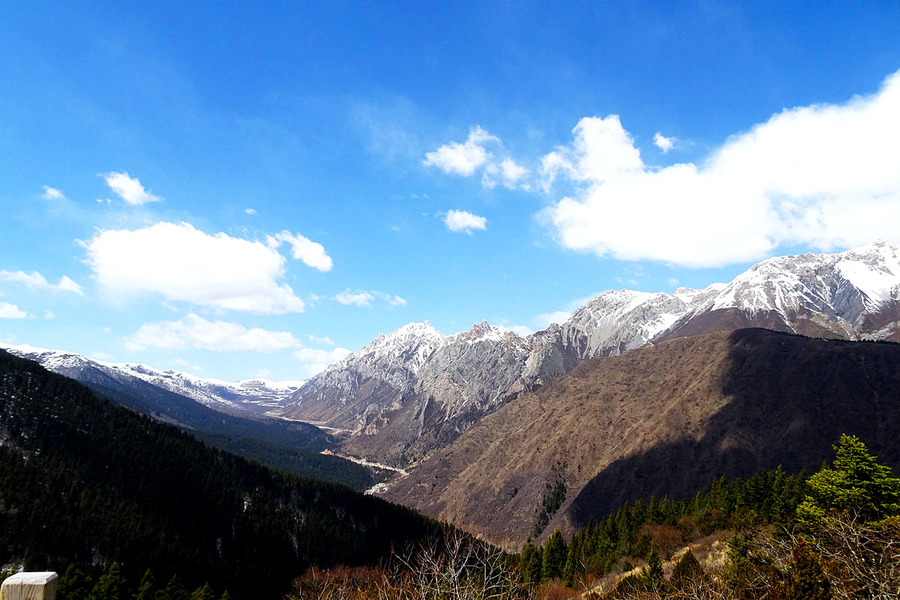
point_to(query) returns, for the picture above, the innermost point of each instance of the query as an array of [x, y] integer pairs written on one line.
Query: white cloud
[[129, 189], [194, 331], [357, 299], [182, 263], [521, 330], [673, 282], [462, 159], [11, 311], [250, 211], [325, 340], [316, 360], [67, 285], [543, 321], [365, 298], [508, 172], [822, 175], [311, 253], [52, 193], [664, 143], [49, 315], [512, 172], [466, 158], [395, 300], [36, 281], [460, 220]]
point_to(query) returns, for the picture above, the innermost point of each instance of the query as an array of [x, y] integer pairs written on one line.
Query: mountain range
[[663, 420], [228, 416], [415, 390], [634, 394], [251, 395]]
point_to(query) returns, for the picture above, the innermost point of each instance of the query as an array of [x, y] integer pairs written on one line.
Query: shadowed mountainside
[[659, 420], [83, 481]]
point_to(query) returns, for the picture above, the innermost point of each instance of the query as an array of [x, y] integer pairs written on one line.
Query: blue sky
[[254, 189]]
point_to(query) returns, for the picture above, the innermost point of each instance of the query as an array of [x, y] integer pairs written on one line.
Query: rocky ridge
[[415, 390], [252, 395], [663, 420]]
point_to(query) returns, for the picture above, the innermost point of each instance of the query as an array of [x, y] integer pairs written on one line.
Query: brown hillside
[[661, 420]]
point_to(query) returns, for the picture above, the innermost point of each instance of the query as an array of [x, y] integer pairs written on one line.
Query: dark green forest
[[299, 461], [285, 445], [663, 526], [84, 482]]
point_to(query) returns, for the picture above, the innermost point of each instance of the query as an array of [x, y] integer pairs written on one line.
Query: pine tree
[[111, 586], [805, 578], [147, 588], [174, 590], [571, 569], [653, 575], [855, 483], [530, 564], [686, 570], [74, 584], [554, 556], [203, 593]]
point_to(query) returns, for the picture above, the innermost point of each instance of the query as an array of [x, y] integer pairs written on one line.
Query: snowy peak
[[410, 345], [481, 332], [874, 270], [616, 321], [216, 394], [846, 286]]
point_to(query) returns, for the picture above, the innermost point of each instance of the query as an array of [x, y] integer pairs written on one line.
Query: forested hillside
[[83, 481]]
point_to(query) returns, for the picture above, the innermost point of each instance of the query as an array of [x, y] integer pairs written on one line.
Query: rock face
[[850, 295], [415, 390], [661, 420]]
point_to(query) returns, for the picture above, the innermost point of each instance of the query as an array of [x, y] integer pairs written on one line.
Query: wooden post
[[30, 586]]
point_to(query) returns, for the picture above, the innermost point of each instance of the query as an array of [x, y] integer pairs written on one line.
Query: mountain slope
[[122, 384], [291, 446], [416, 390], [84, 481], [252, 395], [660, 420]]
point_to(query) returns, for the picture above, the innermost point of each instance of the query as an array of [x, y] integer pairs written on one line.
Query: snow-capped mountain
[[416, 389], [255, 395], [850, 295], [207, 407]]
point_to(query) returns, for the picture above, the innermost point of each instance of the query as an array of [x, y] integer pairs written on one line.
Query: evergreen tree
[[653, 575], [147, 588], [554, 556], [571, 570], [111, 586], [530, 564], [75, 584], [855, 483], [174, 590], [805, 577], [225, 596], [203, 593], [686, 570]]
